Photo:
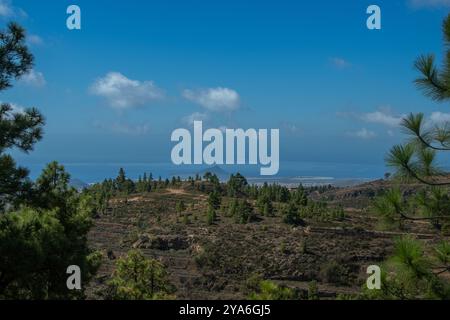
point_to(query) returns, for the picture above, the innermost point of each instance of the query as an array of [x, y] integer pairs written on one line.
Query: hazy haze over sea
[[291, 173]]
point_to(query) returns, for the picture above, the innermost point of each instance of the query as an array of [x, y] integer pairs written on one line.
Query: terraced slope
[[215, 261]]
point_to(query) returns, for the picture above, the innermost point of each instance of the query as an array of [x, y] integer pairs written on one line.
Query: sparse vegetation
[[199, 237]]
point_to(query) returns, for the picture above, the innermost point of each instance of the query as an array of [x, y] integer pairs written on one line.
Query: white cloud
[[439, 117], [383, 117], [34, 39], [363, 134], [340, 63], [214, 99], [33, 78], [124, 93], [429, 3], [196, 116], [7, 10], [17, 108]]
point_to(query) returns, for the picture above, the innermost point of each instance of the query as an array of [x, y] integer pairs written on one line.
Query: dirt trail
[[177, 191]]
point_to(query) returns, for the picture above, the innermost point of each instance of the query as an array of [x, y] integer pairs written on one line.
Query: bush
[[313, 291], [268, 290], [139, 278]]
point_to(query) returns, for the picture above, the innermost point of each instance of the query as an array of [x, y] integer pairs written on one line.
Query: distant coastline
[[291, 173]]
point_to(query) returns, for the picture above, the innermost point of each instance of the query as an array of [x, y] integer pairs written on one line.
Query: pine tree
[[214, 200], [236, 185], [20, 130], [291, 214], [43, 225], [299, 197], [411, 273], [233, 208], [139, 278], [268, 209], [210, 215], [244, 212]]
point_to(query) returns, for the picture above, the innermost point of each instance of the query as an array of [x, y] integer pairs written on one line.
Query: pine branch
[[430, 83]]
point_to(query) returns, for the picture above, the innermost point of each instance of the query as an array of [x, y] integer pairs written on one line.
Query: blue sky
[[334, 88]]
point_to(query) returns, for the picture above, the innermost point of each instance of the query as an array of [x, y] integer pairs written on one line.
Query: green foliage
[[431, 204], [291, 215], [268, 209], [265, 206], [214, 200], [313, 291], [144, 184], [233, 208], [389, 207], [411, 273], [180, 206], [38, 244], [244, 212], [338, 213], [268, 290], [434, 203], [319, 211], [27, 236], [251, 285], [43, 225], [417, 158], [210, 215], [299, 197], [100, 195], [19, 130], [123, 184], [52, 186], [236, 185], [15, 187], [442, 253], [433, 82], [15, 59], [214, 180], [139, 278]]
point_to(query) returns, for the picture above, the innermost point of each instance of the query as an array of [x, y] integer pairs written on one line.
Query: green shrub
[[139, 278], [268, 290]]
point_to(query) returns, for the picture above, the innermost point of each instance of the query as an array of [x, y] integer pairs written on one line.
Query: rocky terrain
[[216, 261]]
